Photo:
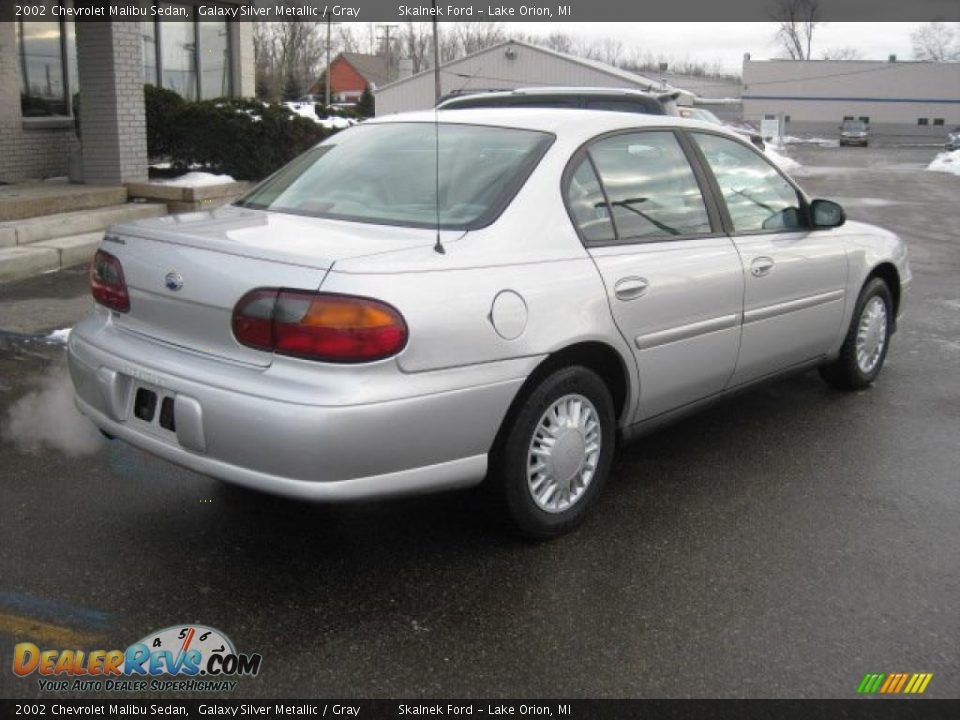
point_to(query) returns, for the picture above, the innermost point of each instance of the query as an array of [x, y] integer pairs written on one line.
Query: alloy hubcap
[[564, 453], [871, 334]]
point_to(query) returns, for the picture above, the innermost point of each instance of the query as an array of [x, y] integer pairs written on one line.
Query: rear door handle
[[761, 266], [630, 288]]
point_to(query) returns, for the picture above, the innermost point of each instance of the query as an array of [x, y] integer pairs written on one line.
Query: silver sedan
[[435, 300]]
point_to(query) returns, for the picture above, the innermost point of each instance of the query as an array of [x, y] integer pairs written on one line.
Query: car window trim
[[709, 201], [721, 202]]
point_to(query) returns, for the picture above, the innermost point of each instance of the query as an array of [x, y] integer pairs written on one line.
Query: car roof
[[566, 123], [555, 90]]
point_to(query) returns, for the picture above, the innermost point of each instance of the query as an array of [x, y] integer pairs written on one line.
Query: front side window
[[387, 174], [757, 196], [652, 191]]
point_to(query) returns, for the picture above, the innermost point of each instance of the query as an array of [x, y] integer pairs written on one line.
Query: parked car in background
[[584, 98], [359, 326], [953, 139], [739, 128], [854, 132]]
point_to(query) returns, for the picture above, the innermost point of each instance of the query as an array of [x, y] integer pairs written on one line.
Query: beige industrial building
[[905, 99], [505, 66]]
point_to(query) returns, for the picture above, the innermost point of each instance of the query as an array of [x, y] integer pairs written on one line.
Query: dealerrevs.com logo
[[199, 657]]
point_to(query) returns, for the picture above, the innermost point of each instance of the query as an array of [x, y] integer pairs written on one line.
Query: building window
[[47, 66], [938, 121], [847, 117], [150, 76], [923, 121], [190, 57], [865, 119], [214, 59]]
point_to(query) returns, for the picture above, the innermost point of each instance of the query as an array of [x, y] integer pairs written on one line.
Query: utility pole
[[326, 74], [385, 46], [436, 55]]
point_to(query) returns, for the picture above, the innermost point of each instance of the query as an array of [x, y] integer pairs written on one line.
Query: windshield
[[387, 174]]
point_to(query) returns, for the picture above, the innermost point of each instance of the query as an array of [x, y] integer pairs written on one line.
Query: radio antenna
[[438, 246]]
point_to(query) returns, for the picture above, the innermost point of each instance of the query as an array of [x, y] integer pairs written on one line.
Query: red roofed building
[[351, 72]]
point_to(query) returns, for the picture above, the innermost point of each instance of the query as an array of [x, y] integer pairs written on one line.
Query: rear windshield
[[387, 174], [854, 125]]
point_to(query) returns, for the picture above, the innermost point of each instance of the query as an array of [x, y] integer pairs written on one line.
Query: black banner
[[499, 709], [466, 10]]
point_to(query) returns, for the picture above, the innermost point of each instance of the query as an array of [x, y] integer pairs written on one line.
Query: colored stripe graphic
[[894, 683]]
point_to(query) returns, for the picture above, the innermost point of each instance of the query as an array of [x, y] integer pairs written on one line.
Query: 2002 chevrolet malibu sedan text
[[357, 327]]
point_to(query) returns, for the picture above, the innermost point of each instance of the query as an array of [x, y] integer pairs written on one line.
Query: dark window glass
[[41, 67], [149, 30], [588, 206], [865, 119], [214, 60], [386, 174], [938, 121], [923, 121], [652, 190], [757, 196], [179, 55], [644, 107]]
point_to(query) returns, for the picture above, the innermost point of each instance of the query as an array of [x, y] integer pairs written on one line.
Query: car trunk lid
[[186, 273]]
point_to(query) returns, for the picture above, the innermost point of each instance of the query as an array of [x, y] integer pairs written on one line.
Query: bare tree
[[936, 42], [842, 53], [797, 20], [288, 56]]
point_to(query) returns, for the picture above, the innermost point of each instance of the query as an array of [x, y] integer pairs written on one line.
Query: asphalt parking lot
[[782, 544]]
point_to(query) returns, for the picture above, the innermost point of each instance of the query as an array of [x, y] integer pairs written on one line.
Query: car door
[[795, 277], [673, 278]]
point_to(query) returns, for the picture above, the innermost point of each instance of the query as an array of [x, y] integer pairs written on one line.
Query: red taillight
[[107, 283], [319, 326]]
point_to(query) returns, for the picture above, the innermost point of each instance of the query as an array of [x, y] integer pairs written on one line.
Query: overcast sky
[[727, 42]]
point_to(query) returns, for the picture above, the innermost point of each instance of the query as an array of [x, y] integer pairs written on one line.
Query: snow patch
[[309, 111], [46, 418], [196, 179], [58, 337], [948, 162], [781, 161], [822, 142]]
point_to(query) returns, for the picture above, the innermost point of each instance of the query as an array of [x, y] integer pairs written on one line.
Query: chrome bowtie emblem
[[173, 281]]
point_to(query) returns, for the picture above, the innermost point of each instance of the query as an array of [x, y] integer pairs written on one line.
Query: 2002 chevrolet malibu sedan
[[357, 327]]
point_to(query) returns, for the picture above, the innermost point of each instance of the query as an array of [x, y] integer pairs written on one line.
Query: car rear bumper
[[428, 442]]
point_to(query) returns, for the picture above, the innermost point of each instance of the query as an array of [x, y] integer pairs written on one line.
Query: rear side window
[[587, 205], [757, 196], [651, 189]]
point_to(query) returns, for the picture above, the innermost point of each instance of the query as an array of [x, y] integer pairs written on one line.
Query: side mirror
[[827, 214]]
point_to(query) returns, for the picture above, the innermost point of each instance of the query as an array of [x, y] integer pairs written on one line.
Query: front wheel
[[554, 457], [865, 347]]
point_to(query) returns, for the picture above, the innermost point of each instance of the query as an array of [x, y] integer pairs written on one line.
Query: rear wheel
[[865, 346], [553, 459]]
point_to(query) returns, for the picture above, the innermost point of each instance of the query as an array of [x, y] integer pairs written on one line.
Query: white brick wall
[[113, 122]]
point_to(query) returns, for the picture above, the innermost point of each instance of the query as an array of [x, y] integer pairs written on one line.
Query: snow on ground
[[822, 142], [58, 337], [196, 179], [948, 162], [780, 160], [309, 111]]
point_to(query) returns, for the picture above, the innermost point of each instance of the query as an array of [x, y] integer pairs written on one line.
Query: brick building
[[46, 66], [351, 72]]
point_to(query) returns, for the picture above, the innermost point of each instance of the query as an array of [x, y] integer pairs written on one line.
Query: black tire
[[511, 456], [845, 372]]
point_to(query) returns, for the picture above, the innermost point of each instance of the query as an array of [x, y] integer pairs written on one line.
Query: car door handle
[[761, 266], [630, 288]]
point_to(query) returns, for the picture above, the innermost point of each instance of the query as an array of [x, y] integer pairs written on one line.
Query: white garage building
[[509, 65], [905, 99]]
